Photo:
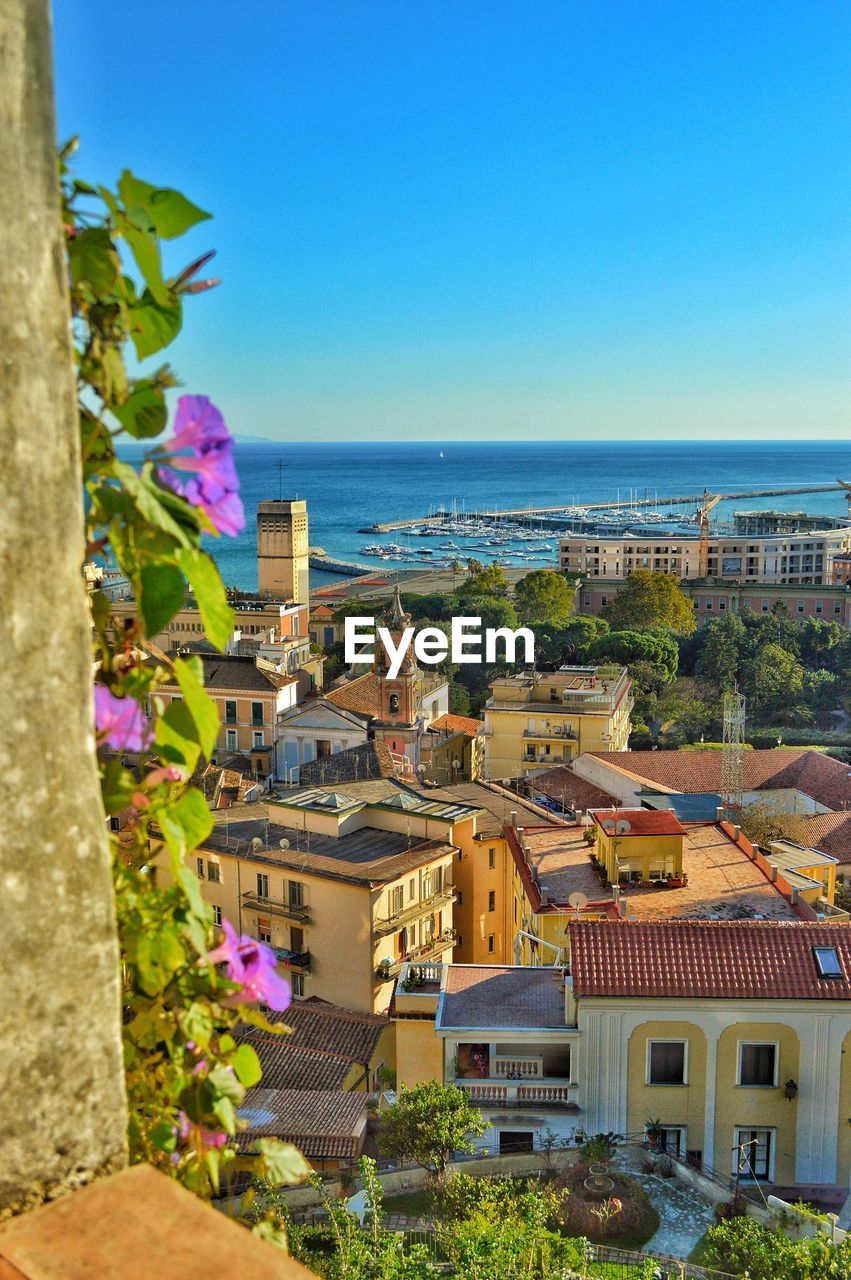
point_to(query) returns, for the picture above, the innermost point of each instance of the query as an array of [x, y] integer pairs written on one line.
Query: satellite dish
[[608, 824], [577, 900], [283, 844], [623, 826], [257, 843]]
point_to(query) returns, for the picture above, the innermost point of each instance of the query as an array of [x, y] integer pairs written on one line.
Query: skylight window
[[827, 962]]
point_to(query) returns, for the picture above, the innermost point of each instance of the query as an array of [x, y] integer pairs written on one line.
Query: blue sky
[[493, 220]]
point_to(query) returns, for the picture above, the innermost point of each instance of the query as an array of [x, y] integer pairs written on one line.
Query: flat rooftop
[[723, 883], [364, 856], [501, 996]]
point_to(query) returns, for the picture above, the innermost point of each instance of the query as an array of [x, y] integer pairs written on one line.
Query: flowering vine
[[187, 984]]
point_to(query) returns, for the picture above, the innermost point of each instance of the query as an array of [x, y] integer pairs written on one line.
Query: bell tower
[[397, 722], [282, 550]]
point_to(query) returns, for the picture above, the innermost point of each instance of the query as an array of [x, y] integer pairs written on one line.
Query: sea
[[351, 485]]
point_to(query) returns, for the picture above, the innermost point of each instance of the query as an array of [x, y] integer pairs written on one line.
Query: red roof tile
[[569, 789], [815, 774], [459, 724], [690, 959], [642, 822], [829, 832], [359, 696]]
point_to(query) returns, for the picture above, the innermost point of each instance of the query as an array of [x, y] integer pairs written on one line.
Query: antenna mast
[[733, 751]]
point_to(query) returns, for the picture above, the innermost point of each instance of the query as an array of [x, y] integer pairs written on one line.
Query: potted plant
[[653, 1132]]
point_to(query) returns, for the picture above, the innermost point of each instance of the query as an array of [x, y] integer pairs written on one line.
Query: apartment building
[[713, 599], [804, 558], [345, 891], [733, 1037], [535, 721]]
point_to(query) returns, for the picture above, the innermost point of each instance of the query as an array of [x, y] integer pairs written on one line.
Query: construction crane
[[709, 501], [843, 484]]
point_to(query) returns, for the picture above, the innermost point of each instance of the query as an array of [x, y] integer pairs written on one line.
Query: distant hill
[[243, 439]]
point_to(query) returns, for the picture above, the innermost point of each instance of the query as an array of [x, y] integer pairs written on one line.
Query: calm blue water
[[351, 485]]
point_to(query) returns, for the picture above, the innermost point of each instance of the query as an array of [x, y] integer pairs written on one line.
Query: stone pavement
[[684, 1215]]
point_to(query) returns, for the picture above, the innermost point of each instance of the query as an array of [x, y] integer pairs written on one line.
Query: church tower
[[283, 550], [398, 719]]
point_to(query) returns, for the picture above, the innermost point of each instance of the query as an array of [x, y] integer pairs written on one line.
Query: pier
[[533, 513], [329, 564]]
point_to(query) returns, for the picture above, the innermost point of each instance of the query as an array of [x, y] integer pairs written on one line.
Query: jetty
[[521, 514], [330, 564]]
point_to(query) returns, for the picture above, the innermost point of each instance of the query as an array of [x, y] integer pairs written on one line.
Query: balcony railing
[[296, 959], [277, 907], [513, 1068], [553, 732], [428, 951], [397, 919], [541, 1093]]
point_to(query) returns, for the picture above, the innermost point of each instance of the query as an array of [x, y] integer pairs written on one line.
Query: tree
[[543, 596], [494, 611], [649, 599], [743, 1247], [630, 647], [428, 1124], [763, 822], [483, 580], [773, 680], [459, 699], [719, 657]]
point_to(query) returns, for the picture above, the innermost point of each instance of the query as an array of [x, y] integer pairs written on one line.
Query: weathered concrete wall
[[63, 1113]]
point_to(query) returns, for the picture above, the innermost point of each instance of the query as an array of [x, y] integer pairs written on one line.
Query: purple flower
[[214, 485], [120, 722], [251, 965], [186, 1129]]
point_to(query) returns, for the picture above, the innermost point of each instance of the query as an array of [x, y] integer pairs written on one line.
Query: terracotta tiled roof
[[323, 1045], [363, 763], [498, 996], [639, 822], [569, 789], [817, 775], [459, 724], [830, 832], [690, 959], [359, 696], [323, 1124]]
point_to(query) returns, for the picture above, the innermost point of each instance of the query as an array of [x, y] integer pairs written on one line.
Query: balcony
[[293, 959], [397, 919], [502, 1093], [541, 757], [277, 907], [513, 1067], [548, 735], [428, 951]]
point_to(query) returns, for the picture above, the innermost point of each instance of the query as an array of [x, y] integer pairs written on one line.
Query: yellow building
[[283, 550], [453, 749], [639, 846], [728, 1044], [534, 721], [345, 891]]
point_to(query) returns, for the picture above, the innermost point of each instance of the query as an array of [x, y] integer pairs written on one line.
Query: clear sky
[[474, 218]]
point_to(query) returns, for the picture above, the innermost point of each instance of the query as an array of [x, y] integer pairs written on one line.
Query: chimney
[[622, 908], [720, 813], [514, 817], [616, 893], [772, 869], [569, 1003], [737, 831]]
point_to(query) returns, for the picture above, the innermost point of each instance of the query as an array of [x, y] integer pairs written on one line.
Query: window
[[217, 915], [297, 983], [397, 898], [295, 893], [231, 740], [666, 1062], [672, 1138], [491, 901], [827, 962], [257, 713], [296, 939], [200, 864], [490, 942], [753, 1156], [758, 1065], [262, 885], [214, 872], [257, 739], [800, 606], [459, 897], [230, 712], [264, 930], [491, 859]]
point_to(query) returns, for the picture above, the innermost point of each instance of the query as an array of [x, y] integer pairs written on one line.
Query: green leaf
[[255, 1018], [216, 614], [186, 822], [159, 955], [117, 786], [175, 736], [204, 711], [92, 257], [171, 214], [282, 1162], [148, 497], [144, 412], [163, 593], [197, 1023], [144, 247], [246, 1064], [154, 323]]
